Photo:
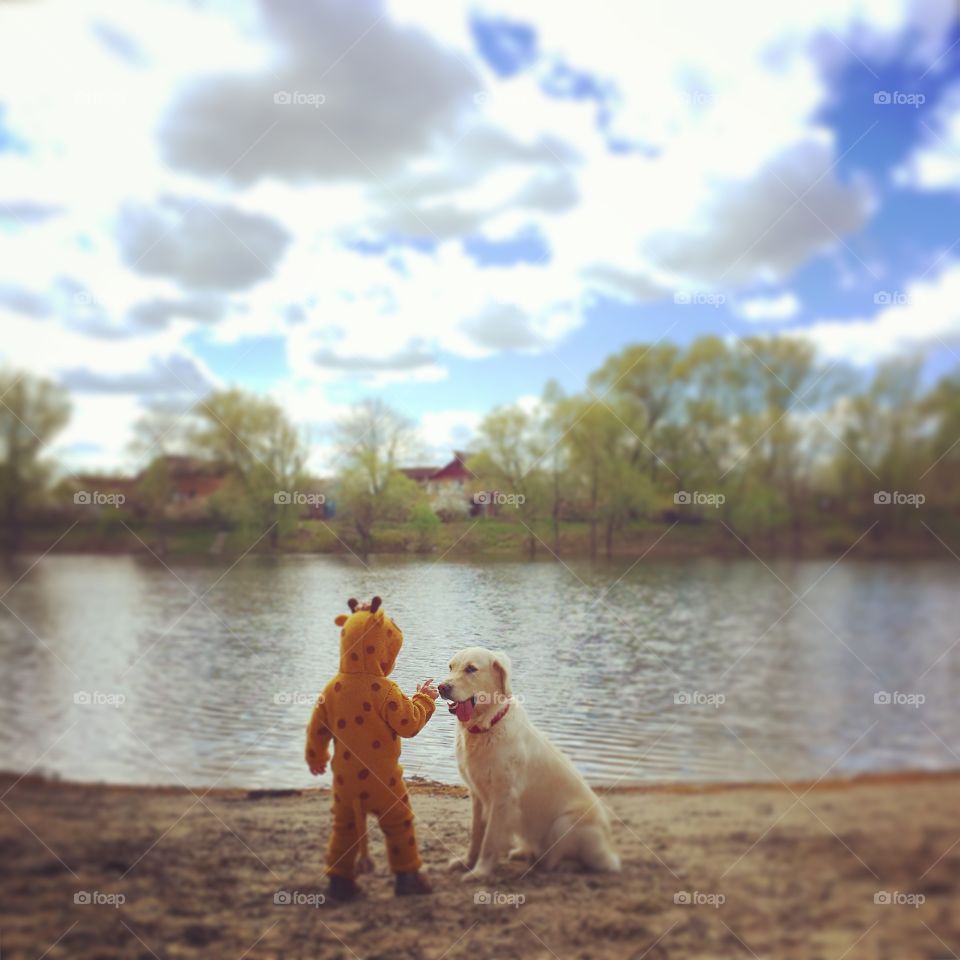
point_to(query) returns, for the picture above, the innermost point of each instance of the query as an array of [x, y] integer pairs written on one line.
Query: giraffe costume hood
[[364, 714]]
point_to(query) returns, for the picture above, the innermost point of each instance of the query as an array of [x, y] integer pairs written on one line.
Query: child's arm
[[318, 739], [407, 716]]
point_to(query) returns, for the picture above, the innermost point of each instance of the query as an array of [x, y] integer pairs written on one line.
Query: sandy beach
[[846, 869]]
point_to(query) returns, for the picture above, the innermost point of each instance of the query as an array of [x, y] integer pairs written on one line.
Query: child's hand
[[428, 688], [318, 765]]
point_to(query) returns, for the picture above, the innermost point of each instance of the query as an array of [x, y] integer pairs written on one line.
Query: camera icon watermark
[[94, 498], [497, 698], [898, 499], [299, 98], [97, 698], [896, 98], [498, 898], [286, 698], [895, 898], [698, 98], [883, 698], [298, 498], [698, 298], [96, 898], [696, 498], [298, 898], [499, 499], [895, 298], [697, 898], [697, 698]]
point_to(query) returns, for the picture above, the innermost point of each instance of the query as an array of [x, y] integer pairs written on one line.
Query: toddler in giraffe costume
[[364, 713]]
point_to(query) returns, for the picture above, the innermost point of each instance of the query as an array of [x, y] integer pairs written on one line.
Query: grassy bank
[[497, 538]]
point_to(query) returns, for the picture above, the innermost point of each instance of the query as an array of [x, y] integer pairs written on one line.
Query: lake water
[[204, 677]]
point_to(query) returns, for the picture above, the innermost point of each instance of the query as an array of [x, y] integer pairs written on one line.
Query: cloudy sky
[[446, 204]]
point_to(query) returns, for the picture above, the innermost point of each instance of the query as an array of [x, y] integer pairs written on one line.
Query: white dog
[[524, 790]]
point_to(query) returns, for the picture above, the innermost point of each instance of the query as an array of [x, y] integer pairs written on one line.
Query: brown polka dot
[[340, 779], [358, 720], [347, 754], [394, 850], [375, 686], [312, 753], [404, 722], [321, 731], [341, 723], [408, 823], [354, 656], [370, 648], [337, 687], [363, 774], [367, 706], [364, 795], [393, 781], [393, 733], [376, 813], [375, 744], [392, 706]]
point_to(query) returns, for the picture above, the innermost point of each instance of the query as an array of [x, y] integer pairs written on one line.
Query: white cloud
[[925, 314], [444, 431], [777, 309], [103, 276], [936, 164]]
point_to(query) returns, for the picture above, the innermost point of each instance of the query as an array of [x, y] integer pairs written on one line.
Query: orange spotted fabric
[[364, 714]]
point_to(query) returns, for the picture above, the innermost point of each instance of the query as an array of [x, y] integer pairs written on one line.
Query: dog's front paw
[[477, 875], [458, 863]]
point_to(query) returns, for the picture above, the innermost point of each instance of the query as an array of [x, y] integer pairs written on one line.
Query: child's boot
[[412, 884], [343, 888]]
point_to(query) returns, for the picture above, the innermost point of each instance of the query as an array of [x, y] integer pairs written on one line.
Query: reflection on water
[[199, 677]]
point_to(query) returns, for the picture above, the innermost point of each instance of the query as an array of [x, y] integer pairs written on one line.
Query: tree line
[[757, 434]]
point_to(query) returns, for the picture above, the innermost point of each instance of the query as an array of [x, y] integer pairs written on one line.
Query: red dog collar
[[493, 722]]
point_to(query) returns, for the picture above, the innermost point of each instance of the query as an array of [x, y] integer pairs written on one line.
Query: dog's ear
[[341, 619], [502, 667]]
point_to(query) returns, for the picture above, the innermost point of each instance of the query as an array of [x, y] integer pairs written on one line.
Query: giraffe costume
[[365, 714]]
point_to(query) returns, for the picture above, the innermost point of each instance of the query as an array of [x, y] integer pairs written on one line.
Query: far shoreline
[[663, 538]]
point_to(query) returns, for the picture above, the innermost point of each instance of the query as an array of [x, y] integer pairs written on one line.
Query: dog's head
[[479, 683]]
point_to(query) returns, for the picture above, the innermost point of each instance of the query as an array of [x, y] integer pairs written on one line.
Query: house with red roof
[[450, 487]]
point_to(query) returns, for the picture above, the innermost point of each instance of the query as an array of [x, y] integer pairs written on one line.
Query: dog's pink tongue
[[464, 711]]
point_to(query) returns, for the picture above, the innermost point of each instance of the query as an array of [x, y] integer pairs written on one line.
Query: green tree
[[263, 453], [939, 467], [371, 441], [883, 445], [509, 463], [426, 524], [157, 435], [32, 412]]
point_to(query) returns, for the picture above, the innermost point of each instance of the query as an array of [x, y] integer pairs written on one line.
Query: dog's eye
[[470, 669]]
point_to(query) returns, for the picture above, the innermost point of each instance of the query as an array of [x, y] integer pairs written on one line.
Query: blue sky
[[449, 206]]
